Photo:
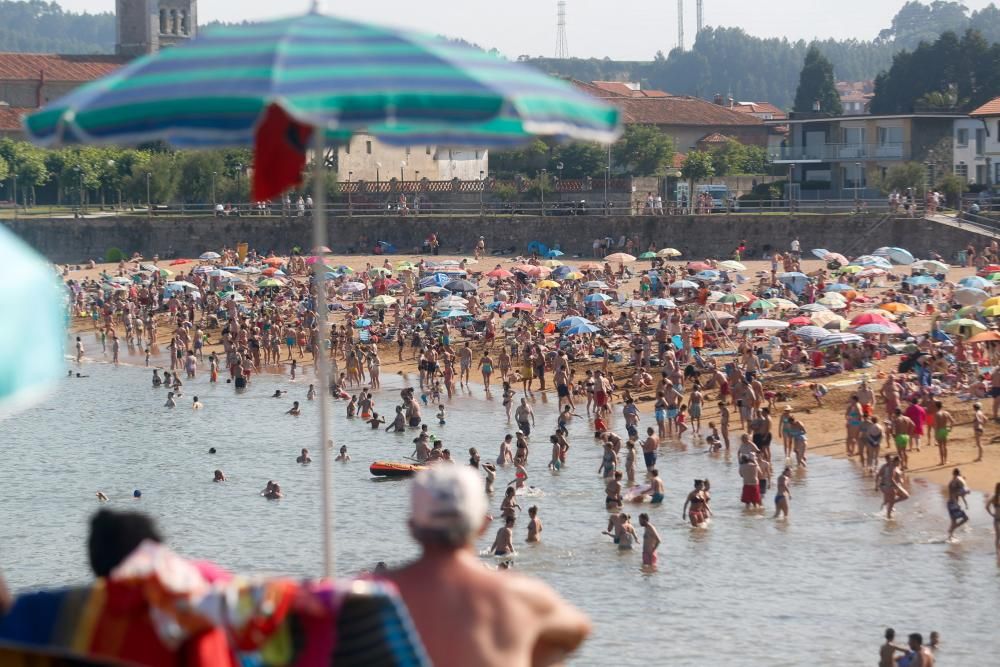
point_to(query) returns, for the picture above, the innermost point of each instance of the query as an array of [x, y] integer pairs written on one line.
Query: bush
[[114, 255]]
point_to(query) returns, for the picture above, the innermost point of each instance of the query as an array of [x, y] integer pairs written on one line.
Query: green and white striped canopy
[[344, 76]]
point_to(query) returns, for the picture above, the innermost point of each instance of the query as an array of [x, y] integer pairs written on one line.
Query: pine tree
[[816, 84]]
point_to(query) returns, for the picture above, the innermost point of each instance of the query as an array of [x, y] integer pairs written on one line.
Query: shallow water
[[748, 590]]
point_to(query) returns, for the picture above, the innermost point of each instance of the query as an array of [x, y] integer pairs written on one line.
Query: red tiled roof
[[991, 108], [671, 110], [623, 89], [679, 160], [10, 118], [760, 107], [29, 66], [714, 138]]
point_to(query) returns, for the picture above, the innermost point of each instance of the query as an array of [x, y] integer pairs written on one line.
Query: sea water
[[748, 590]]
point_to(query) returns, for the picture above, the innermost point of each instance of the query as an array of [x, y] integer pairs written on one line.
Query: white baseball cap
[[449, 498]]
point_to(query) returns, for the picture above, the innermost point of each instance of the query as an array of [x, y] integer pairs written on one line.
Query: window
[[962, 138], [962, 170], [981, 173], [368, 147], [996, 173], [890, 135], [980, 141], [853, 136], [853, 177]]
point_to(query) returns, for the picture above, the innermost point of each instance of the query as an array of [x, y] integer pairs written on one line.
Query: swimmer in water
[[295, 412], [503, 544], [534, 525], [304, 458], [196, 404], [171, 403], [441, 415], [274, 493], [311, 394], [343, 457], [491, 475], [278, 393], [101, 497], [219, 476]]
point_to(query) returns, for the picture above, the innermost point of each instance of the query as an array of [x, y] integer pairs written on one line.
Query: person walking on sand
[[978, 426], [447, 587], [957, 492], [943, 423]]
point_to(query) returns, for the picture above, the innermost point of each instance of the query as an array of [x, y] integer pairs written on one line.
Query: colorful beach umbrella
[[897, 308], [669, 253], [732, 265], [969, 296], [976, 282], [660, 302], [500, 273], [382, 301], [964, 327], [733, 298], [405, 88], [921, 281], [622, 257], [648, 255], [930, 265], [836, 338], [811, 332], [593, 298], [897, 255], [888, 329]]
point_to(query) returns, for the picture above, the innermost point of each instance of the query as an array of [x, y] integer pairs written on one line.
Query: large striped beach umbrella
[[324, 72], [331, 75]]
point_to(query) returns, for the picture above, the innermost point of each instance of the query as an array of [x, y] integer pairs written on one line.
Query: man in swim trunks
[[448, 510], [503, 544], [750, 473], [656, 487], [957, 492], [943, 423], [650, 542], [649, 449], [521, 416], [901, 429]]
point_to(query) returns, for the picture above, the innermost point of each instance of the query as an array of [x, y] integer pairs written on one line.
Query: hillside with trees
[[36, 26]]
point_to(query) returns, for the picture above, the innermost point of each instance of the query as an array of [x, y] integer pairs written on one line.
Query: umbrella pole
[[323, 364]]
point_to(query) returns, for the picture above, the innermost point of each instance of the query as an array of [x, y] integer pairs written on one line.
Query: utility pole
[[562, 44], [680, 24], [701, 16]]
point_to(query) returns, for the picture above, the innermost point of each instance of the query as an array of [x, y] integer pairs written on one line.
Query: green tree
[[27, 162], [579, 160], [643, 150], [697, 167], [816, 83], [4, 169], [525, 161], [729, 159], [902, 176], [202, 176], [953, 187]]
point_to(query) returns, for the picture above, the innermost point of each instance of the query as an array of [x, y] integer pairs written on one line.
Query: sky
[[618, 29]]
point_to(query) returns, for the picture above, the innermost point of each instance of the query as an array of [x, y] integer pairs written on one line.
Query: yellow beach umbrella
[[547, 284], [900, 308]]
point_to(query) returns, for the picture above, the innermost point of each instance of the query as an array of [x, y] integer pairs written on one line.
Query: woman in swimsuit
[[695, 507], [486, 366], [661, 414], [609, 462]]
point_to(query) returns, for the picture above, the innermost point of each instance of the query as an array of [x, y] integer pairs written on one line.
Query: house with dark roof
[[687, 120]]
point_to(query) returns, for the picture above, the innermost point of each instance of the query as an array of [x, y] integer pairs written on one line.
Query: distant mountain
[[43, 27]]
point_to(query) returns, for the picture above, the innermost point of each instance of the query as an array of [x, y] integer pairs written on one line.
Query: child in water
[[343, 457], [441, 415]]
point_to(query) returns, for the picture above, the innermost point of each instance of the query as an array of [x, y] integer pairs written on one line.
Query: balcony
[[842, 153]]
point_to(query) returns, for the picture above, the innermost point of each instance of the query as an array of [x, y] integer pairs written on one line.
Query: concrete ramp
[[978, 228]]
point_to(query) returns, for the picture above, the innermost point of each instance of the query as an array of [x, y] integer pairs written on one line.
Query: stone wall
[[69, 240]]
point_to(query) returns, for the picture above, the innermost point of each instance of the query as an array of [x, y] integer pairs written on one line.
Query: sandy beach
[[825, 425]]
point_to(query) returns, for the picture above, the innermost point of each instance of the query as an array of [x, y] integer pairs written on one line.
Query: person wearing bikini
[[695, 508]]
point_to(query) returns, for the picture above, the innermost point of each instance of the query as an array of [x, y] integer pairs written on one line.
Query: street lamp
[[349, 199], [402, 164], [857, 185], [214, 174], [14, 174], [541, 188], [111, 165], [149, 200], [607, 178], [239, 191], [791, 179], [79, 176], [482, 189]]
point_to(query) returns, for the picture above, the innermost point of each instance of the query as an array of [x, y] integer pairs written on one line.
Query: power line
[[562, 45]]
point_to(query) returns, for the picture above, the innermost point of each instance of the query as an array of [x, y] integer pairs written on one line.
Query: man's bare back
[[468, 615]]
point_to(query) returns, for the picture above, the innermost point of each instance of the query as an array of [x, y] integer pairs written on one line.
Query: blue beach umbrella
[[572, 321], [921, 281], [660, 302], [976, 282], [811, 332], [579, 329], [592, 298], [32, 334]]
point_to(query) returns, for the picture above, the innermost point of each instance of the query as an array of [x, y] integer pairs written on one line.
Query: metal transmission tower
[[680, 24], [701, 15], [562, 46]]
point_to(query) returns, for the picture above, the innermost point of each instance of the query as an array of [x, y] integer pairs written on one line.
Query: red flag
[[279, 153]]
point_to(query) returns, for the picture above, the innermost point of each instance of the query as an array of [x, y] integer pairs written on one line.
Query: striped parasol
[[342, 75]]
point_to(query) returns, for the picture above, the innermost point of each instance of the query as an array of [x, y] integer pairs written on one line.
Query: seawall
[[74, 240]]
